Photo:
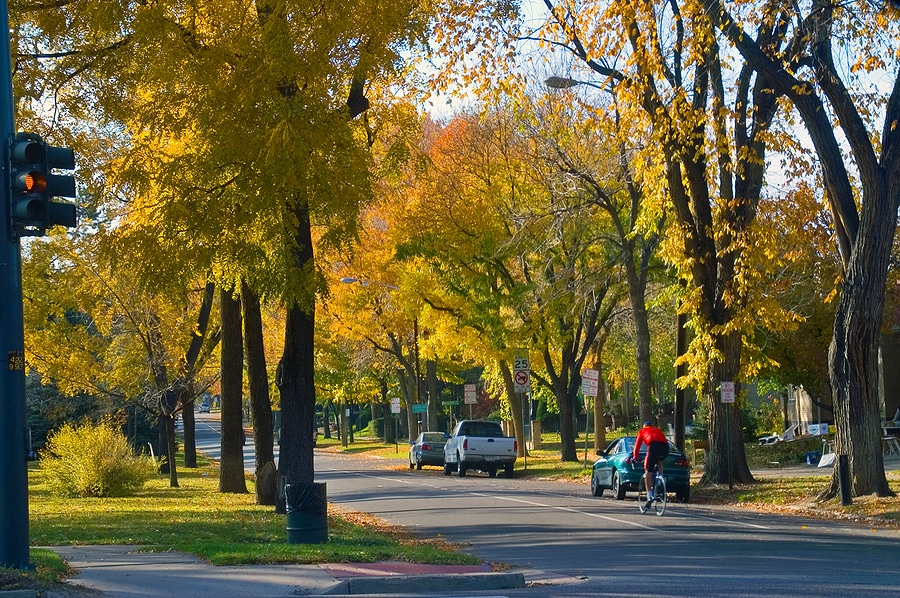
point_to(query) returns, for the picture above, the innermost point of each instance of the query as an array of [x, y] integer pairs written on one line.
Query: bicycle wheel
[[642, 494], [660, 500]]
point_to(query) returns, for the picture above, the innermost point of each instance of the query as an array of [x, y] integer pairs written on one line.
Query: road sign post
[[470, 396], [727, 393], [522, 386], [395, 411]]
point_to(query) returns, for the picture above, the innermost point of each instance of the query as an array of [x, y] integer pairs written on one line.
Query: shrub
[[93, 460]]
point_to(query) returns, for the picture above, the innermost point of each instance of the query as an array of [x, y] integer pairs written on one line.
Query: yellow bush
[[93, 460]]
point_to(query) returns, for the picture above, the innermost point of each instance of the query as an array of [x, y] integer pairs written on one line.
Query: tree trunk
[[326, 419], [637, 288], [297, 382], [515, 406], [408, 385], [162, 438], [260, 405], [853, 356], [231, 470], [434, 400], [171, 449], [187, 376], [566, 422], [600, 399], [599, 419], [189, 427], [726, 439]]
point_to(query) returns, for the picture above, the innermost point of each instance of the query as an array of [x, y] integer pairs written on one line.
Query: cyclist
[[657, 450]]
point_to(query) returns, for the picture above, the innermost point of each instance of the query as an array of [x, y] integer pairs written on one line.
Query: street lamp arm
[[365, 283], [566, 82]]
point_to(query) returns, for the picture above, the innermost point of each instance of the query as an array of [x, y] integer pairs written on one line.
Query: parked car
[[427, 449], [481, 445], [616, 470], [204, 407]]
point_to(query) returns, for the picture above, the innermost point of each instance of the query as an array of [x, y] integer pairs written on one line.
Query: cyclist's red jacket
[[647, 435]]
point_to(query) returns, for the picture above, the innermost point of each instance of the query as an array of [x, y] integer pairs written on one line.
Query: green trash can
[[307, 513]]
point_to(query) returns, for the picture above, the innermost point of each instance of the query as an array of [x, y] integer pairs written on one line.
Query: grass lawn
[[222, 528]]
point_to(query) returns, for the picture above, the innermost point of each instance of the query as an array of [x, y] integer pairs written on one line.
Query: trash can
[[307, 513]]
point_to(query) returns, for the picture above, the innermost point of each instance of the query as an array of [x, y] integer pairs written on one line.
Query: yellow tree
[[823, 57], [706, 126], [93, 328], [246, 116]]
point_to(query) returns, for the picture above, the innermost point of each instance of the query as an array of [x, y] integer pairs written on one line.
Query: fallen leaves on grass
[[400, 534]]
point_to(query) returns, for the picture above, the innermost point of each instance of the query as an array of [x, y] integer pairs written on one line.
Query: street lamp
[[566, 83], [365, 283]]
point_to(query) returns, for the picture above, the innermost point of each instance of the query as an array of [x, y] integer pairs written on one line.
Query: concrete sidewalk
[[125, 572]]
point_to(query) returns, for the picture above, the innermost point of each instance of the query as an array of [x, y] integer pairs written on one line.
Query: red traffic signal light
[[33, 186]]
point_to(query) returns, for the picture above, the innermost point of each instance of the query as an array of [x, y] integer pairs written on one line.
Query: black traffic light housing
[[33, 185]]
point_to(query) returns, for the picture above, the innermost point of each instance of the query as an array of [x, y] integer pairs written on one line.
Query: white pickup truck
[[479, 445]]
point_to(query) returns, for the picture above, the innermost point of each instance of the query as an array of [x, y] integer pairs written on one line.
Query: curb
[[421, 584]]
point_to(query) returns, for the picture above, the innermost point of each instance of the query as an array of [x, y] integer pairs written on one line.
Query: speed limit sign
[[521, 374]]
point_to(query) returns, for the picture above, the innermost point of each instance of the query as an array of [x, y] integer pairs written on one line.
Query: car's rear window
[[433, 437], [484, 429]]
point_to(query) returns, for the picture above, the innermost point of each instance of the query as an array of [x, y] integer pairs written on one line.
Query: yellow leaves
[[868, 64]]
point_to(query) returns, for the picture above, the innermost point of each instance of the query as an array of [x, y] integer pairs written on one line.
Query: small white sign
[[470, 394], [590, 382], [395, 405], [521, 380], [727, 392]]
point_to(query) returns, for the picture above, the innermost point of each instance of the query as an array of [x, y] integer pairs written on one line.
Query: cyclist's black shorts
[[656, 452]]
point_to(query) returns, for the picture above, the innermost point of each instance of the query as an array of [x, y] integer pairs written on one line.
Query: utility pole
[[28, 186], [14, 541]]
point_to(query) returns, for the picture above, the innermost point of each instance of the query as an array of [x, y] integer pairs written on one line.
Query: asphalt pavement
[[127, 572]]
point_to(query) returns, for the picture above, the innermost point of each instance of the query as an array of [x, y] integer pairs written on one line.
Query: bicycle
[[659, 501]]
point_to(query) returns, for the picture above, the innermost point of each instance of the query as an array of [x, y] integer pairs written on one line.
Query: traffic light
[[33, 185]]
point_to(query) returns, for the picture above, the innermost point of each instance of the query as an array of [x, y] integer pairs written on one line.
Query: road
[[558, 528], [208, 438], [584, 546]]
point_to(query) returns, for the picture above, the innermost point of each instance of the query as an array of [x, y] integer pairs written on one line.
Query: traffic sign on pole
[[470, 395], [521, 380], [590, 382], [727, 389], [521, 374]]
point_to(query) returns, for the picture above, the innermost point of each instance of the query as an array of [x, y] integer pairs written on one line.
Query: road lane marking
[[567, 509], [414, 481], [730, 521]]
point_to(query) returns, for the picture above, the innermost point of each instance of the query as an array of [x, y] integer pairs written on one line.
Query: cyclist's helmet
[[648, 423]]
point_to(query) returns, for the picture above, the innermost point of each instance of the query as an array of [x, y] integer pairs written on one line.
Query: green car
[[616, 470]]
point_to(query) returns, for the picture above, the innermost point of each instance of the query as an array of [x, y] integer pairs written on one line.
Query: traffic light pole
[[14, 540]]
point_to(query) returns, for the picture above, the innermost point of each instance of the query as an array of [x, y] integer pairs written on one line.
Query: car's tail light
[[682, 462], [465, 443], [516, 446], [426, 447]]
